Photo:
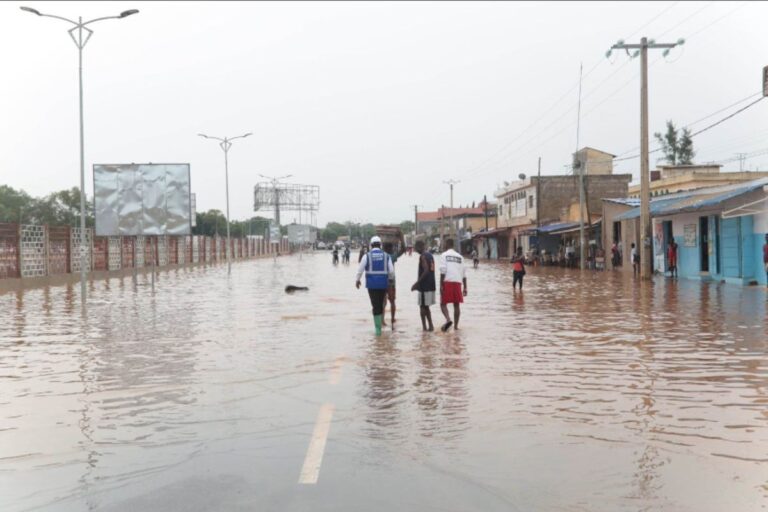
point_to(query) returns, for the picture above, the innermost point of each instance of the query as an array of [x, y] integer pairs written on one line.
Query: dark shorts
[[377, 300]]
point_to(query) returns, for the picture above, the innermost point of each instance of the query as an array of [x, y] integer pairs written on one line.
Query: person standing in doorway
[[425, 285], [452, 276], [518, 268], [377, 266], [672, 256], [635, 260]]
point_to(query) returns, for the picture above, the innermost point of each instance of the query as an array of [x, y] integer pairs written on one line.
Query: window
[[530, 201]]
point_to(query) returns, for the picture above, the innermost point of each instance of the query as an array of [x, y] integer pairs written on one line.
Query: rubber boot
[[377, 323]]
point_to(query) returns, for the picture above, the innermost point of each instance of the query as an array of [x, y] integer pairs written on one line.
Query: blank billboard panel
[[142, 199]]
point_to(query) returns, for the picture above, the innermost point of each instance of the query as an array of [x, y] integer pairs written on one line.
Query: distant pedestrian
[[363, 251], [346, 254], [452, 276], [518, 268], [635, 259], [425, 285], [389, 248], [335, 255], [377, 266], [615, 254], [672, 257], [475, 258]]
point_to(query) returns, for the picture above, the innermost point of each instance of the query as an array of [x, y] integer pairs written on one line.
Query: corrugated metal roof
[[694, 200], [557, 226]]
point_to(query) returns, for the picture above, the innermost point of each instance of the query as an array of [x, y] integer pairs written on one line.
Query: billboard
[[301, 234], [142, 199]]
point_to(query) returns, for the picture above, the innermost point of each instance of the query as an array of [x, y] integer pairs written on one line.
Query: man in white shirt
[[452, 275]]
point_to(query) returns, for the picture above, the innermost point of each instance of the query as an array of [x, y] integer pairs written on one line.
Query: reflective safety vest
[[376, 274]]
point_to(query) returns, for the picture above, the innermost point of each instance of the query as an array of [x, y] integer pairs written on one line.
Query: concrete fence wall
[[28, 250]]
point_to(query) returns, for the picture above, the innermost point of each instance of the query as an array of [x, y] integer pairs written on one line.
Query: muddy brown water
[[585, 392]]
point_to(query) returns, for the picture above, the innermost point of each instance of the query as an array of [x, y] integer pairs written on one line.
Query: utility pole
[[538, 202], [451, 183], [485, 211], [645, 180], [415, 219], [577, 164]]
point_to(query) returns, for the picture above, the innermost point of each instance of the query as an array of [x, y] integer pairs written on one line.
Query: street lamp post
[[80, 35], [225, 144]]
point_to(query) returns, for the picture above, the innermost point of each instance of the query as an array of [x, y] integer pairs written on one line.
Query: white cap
[[375, 240]]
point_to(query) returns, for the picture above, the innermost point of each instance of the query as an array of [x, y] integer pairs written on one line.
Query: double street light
[[80, 35], [226, 143]]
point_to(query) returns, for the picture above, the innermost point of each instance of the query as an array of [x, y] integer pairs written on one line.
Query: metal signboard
[[765, 81], [274, 234], [142, 199]]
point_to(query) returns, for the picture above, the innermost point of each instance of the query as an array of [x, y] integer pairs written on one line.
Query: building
[[669, 179], [466, 221], [535, 205], [719, 230]]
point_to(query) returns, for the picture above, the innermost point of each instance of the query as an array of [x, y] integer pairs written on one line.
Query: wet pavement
[[586, 392]]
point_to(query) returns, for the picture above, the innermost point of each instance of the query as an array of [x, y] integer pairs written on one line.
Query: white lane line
[[335, 375], [311, 469]]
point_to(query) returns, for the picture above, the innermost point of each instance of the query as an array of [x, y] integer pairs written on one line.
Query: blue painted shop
[[720, 231]]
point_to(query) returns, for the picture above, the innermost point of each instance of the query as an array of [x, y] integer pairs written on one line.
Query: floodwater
[[583, 393]]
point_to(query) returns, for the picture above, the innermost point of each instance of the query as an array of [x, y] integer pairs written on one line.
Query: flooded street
[[586, 392]]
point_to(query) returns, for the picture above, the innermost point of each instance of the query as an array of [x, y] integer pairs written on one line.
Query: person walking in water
[[672, 256], [635, 257], [389, 248], [363, 251], [518, 268], [452, 275], [425, 285], [475, 258], [377, 266]]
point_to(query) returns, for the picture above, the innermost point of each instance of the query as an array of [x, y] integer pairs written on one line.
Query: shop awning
[[694, 200], [492, 232]]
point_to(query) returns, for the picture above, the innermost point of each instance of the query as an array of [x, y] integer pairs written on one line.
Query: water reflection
[[645, 382]]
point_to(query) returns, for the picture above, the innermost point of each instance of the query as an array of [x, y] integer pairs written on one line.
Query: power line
[[561, 98]]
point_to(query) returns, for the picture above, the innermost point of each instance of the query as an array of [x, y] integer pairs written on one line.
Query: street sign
[[765, 81], [274, 233]]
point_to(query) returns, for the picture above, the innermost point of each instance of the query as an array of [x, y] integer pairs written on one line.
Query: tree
[[685, 152], [677, 149], [407, 226]]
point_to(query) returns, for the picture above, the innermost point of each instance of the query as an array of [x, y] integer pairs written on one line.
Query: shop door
[[730, 244], [704, 245]]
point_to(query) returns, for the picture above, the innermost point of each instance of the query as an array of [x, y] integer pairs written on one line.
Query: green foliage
[[677, 148], [407, 226], [60, 208], [685, 152], [214, 222]]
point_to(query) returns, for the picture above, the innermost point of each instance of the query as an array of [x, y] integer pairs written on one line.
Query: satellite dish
[[521, 176]]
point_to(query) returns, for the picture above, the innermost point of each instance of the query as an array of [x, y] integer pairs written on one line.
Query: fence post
[[18, 248]]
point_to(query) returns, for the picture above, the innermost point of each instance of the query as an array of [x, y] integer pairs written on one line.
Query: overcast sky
[[375, 102]]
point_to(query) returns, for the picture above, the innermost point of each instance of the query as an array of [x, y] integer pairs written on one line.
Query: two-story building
[[532, 210]]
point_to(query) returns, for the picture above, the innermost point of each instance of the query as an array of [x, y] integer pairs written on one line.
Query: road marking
[[311, 469], [335, 376]]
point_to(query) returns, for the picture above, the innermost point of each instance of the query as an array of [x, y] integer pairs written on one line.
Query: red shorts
[[450, 293]]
